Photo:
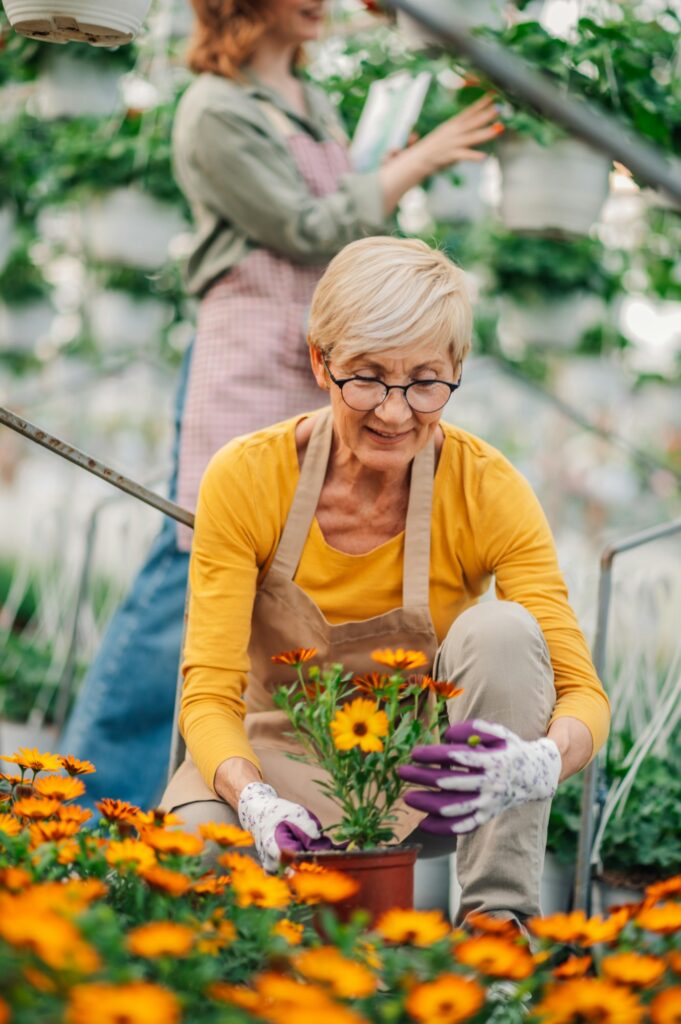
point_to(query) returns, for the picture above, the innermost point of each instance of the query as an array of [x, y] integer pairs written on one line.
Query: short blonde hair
[[381, 293]]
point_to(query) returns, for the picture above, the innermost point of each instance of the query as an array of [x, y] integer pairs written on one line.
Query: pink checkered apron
[[250, 366]]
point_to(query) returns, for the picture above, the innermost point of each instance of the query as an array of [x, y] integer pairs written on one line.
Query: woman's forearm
[[402, 172], [232, 776], [574, 743]]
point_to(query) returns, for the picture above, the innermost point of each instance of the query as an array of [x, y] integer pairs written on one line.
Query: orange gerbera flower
[[399, 658], [447, 1000], [239, 862], [496, 956], [291, 931], [588, 999], [210, 885], [10, 825], [359, 724], [296, 657], [57, 942], [490, 925], [375, 684], [161, 938], [158, 818], [321, 887], [58, 788], [573, 967], [604, 929], [31, 758], [668, 887], [412, 927], [52, 831], [260, 890], [138, 1002], [14, 879], [226, 835], [559, 927], [182, 843], [74, 766], [441, 689], [165, 880], [346, 978], [637, 969], [664, 918], [666, 1007], [130, 853], [37, 808], [73, 812], [118, 811]]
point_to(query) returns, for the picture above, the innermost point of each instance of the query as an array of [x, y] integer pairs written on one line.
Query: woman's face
[[295, 21], [387, 438]]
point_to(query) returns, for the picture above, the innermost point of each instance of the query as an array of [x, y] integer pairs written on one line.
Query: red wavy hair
[[226, 33]]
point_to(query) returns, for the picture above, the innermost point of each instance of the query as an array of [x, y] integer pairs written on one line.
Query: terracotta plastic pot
[[100, 22], [385, 876], [561, 187]]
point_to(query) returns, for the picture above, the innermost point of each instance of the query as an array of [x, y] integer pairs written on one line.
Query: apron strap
[[416, 570], [306, 498]]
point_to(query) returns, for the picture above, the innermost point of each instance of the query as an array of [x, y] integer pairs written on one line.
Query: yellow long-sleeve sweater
[[486, 521]]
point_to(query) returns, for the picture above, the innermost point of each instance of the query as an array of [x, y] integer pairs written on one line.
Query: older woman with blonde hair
[[374, 523]]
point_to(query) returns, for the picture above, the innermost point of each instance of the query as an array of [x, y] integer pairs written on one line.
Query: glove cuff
[[553, 763], [253, 793]]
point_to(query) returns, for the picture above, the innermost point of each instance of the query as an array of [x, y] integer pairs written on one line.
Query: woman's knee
[[201, 812], [493, 630]]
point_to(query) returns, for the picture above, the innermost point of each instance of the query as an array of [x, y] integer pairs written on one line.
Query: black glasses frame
[[404, 388]]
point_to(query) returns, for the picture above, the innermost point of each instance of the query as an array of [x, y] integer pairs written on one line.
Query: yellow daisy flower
[[399, 658], [31, 758], [359, 724]]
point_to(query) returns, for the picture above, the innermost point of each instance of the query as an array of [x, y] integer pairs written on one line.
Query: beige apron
[[284, 617]]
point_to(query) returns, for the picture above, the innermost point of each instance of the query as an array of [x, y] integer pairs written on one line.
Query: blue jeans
[[122, 718]]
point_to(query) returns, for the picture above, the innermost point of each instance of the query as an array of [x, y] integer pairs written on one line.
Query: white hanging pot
[[549, 323], [451, 203], [119, 320], [25, 325], [7, 222], [561, 187], [130, 227], [69, 87], [100, 22]]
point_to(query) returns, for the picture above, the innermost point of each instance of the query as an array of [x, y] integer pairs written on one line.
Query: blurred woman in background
[[263, 160]]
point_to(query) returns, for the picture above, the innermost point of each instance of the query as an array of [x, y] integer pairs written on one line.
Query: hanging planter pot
[[119, 320], [130, 227], [549, 323], [449, 203], [385, 876], [561, 187], [7, 222], [100, 22], [71, 87], [24, 325]]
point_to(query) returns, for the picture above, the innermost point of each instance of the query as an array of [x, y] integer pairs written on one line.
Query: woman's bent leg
[[200, 812], [496, 651]]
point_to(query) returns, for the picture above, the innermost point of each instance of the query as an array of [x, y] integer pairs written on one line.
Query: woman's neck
[[272, 63]]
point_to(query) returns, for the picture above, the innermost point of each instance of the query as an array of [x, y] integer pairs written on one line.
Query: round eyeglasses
[[363, 394]]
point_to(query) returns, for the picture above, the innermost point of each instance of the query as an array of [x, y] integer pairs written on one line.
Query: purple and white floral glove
[[263, 813], [479, 771]]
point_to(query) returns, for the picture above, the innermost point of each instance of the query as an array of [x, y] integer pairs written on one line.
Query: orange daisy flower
[[412, 927], [158, 818], [31, 758], [10, 825], [164, 880], [161, 938], [605, 929], [496, 956], [375, 683], [447, 1000], [52, 831], [588, 999], [211, 885], [399, 658], [35, 807], [239, 862], [291, 931], [215, 935], [346, 978], [666, 1007], [183, 843], [261, 890], [637, 969], [67, 851], [137, 1002], [236, 995], [4, 1011], [321, 887], [118, 811], [559, 927], [668, 887], [674, 960], [14, 879], [130, 853], [226, 835], [359, 724], [56, 787], [573, 967], [74, 813], [490, 925], [664, 918], [74, 766], [441, 689], [296, 657]]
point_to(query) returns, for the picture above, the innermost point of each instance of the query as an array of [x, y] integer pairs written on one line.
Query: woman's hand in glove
[[479, 771], [261, 811]]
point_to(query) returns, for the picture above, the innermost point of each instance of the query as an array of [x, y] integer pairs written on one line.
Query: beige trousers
[[496, 651]]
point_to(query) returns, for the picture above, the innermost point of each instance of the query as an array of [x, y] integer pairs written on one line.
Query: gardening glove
[[479, 771], [277, 824]]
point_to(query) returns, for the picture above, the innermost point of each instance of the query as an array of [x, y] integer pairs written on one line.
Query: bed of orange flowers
[[118, 919]]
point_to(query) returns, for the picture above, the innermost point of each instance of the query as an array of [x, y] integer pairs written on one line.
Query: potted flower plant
[[88, 21], [358, 730]]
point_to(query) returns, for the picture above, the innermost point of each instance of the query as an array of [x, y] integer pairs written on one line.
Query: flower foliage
[[358, 730], [122, 921]]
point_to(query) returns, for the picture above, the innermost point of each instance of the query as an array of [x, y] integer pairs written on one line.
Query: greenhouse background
[[575, 372]]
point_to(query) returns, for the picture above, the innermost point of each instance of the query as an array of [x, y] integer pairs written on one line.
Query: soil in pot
[[385, 876]]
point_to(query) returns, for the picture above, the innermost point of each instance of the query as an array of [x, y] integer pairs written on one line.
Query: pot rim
[[372, 851]]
